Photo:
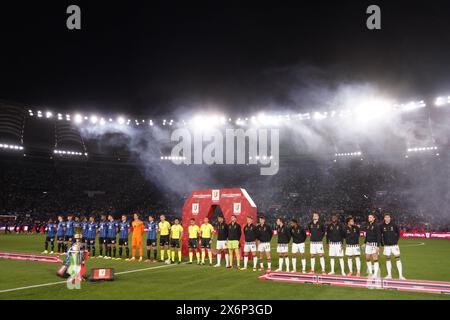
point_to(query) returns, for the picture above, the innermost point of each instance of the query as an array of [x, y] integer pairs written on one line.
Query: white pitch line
[[60, 282], [413, 245], [31, 287]]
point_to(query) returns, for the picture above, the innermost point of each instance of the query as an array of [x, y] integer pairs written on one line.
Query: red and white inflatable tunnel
[[201, 204]]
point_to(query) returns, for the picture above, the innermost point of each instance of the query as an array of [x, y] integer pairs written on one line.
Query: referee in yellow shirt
[[206, 232], [176, 234], [164, 229], [194, 231]]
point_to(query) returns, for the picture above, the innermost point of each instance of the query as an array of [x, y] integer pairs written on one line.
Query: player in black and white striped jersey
[[352, 248], [284, 237]]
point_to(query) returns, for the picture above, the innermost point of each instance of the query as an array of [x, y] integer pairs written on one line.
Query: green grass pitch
[[424, 259]]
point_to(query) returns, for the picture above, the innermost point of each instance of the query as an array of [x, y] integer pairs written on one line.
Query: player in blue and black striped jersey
[[102, 231], [151, 239], [124, 228], [69, 233], [51, 233], [76, 222], [60, 233], [91, 234], [84, 231], [111, 236]]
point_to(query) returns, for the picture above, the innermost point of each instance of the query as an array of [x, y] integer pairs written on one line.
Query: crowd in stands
[[35, 192]]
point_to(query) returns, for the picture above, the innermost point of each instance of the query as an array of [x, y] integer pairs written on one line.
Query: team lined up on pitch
[[257, 241]]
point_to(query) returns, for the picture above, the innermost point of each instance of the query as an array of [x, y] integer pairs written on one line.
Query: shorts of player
[[233, 244], [336, 249], [249, 247], [391, 250], [50, 239], [123, 242], [164, 240], [264, 247], [60, 238], [83, 240], [221, 245], [193, 243], [283, 248], [68, 238], [91, 241], [298, 248], [151, 242], [111, 241], [175, 243], [352, 250], [102, 240], [316, 247], [205, 243], [371, 248]]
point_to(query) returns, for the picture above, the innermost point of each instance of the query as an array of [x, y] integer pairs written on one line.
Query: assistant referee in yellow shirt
[[164, 229], [194, 231], [206, 232], [176, 234]]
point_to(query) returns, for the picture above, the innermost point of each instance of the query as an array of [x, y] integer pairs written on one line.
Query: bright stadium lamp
[[94, 119], [120, 120], [78, 118]]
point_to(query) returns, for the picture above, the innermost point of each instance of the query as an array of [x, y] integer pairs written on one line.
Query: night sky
[[154, 57]]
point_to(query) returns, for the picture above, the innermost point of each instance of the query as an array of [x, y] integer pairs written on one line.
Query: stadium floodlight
[[102, 121], [78, 118], [410, 106], [69, 152], [39, 114], [320, 115], [442, 101], [422, 149], [94, 119], [120, 120], [348, 154], [373, 109], [48, 114], [10, 146]]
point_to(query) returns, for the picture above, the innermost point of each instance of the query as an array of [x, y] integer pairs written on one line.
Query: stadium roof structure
[[418, 126]]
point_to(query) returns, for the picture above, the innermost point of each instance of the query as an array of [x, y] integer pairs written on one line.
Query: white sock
[[294, 264], [313, 262], [227, 259], [369, 267], [245, 262], [350, 264], [332, 264], [376, 268], [219, 257], [400, 269], [303, 264], [280, 263], [358, 264], [389, 268], [255, 262], [322, 263], [269, 264], [287, 264], [341, 263]]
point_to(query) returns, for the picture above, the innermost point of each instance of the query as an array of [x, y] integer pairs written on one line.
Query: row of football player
[[386, 234], [257, 238]]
